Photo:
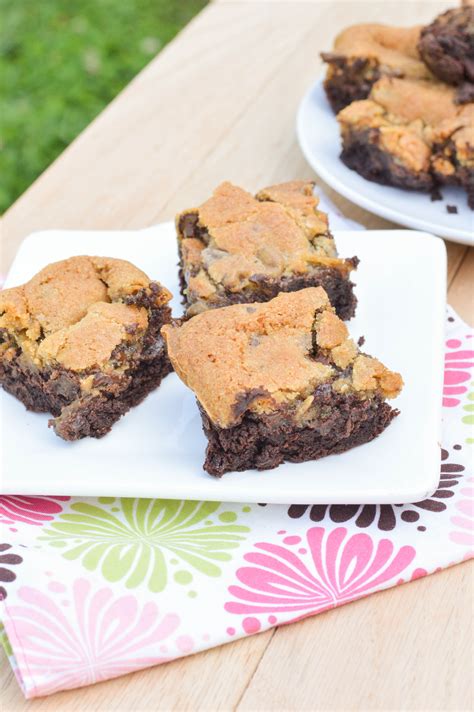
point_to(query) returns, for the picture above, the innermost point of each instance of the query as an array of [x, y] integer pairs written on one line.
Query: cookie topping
[[75, 312], [276, 354], [391, 47]]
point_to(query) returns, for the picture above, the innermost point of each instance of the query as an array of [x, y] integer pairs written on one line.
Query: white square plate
[[157, 449]]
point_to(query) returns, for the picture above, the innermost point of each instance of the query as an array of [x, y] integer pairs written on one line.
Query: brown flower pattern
[[6, 574], [386, 516]]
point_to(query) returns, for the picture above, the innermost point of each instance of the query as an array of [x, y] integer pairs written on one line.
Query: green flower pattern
[[143, 540], [4, 641], [468, 419]]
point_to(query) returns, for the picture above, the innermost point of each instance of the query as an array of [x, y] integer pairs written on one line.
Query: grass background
[[61, 63]]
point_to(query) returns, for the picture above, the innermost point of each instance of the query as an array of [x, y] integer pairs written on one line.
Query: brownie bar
[[362, 54], [82, 341], [410, 134], [237, 248], [447, 47], [280, 381]]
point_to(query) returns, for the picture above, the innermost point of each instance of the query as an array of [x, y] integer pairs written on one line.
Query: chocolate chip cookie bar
[[81, 340], [280, 381], [410, 134], [238, 248], [362, 54]]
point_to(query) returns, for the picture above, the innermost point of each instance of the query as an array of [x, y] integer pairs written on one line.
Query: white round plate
[[318, 136]]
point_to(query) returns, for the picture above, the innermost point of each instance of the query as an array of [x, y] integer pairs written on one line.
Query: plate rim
[[369, 204]]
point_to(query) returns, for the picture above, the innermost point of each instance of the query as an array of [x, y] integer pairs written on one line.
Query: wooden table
[[219, 103]]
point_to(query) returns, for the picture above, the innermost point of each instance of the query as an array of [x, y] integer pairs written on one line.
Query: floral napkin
[[95, 588]]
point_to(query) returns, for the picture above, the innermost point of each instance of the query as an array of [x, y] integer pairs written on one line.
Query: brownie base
[[263, 442], [339, 289], [40, 390], [94, 417], [348, 80], [361, 153], [57, 391]]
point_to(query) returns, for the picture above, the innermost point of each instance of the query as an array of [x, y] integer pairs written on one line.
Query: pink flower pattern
[[29, 510], [463, 520], [339, 568], [102, 637], [457, 365]]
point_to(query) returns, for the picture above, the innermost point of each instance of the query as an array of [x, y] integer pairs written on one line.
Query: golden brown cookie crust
[[263, 354], [409, 100], [91, 341], [393, 48], [72, 312]]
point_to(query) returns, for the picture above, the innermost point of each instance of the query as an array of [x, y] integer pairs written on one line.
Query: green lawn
[[61, 62]]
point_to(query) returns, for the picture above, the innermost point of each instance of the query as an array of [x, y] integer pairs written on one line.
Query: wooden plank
[[385, 652], [219, 103], [456, 255], [461, 291]]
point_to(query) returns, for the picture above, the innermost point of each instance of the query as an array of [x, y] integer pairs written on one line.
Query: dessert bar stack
[[262, 344], [404, 101]]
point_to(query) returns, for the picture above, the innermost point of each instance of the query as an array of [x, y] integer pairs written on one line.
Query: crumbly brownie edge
[[348, 80], [263, 442], [464, 93], [360, 153], [40, 390], [446, 45], [95, 416], [57, 391], [463, 176], [447, 68], [339, 289]]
